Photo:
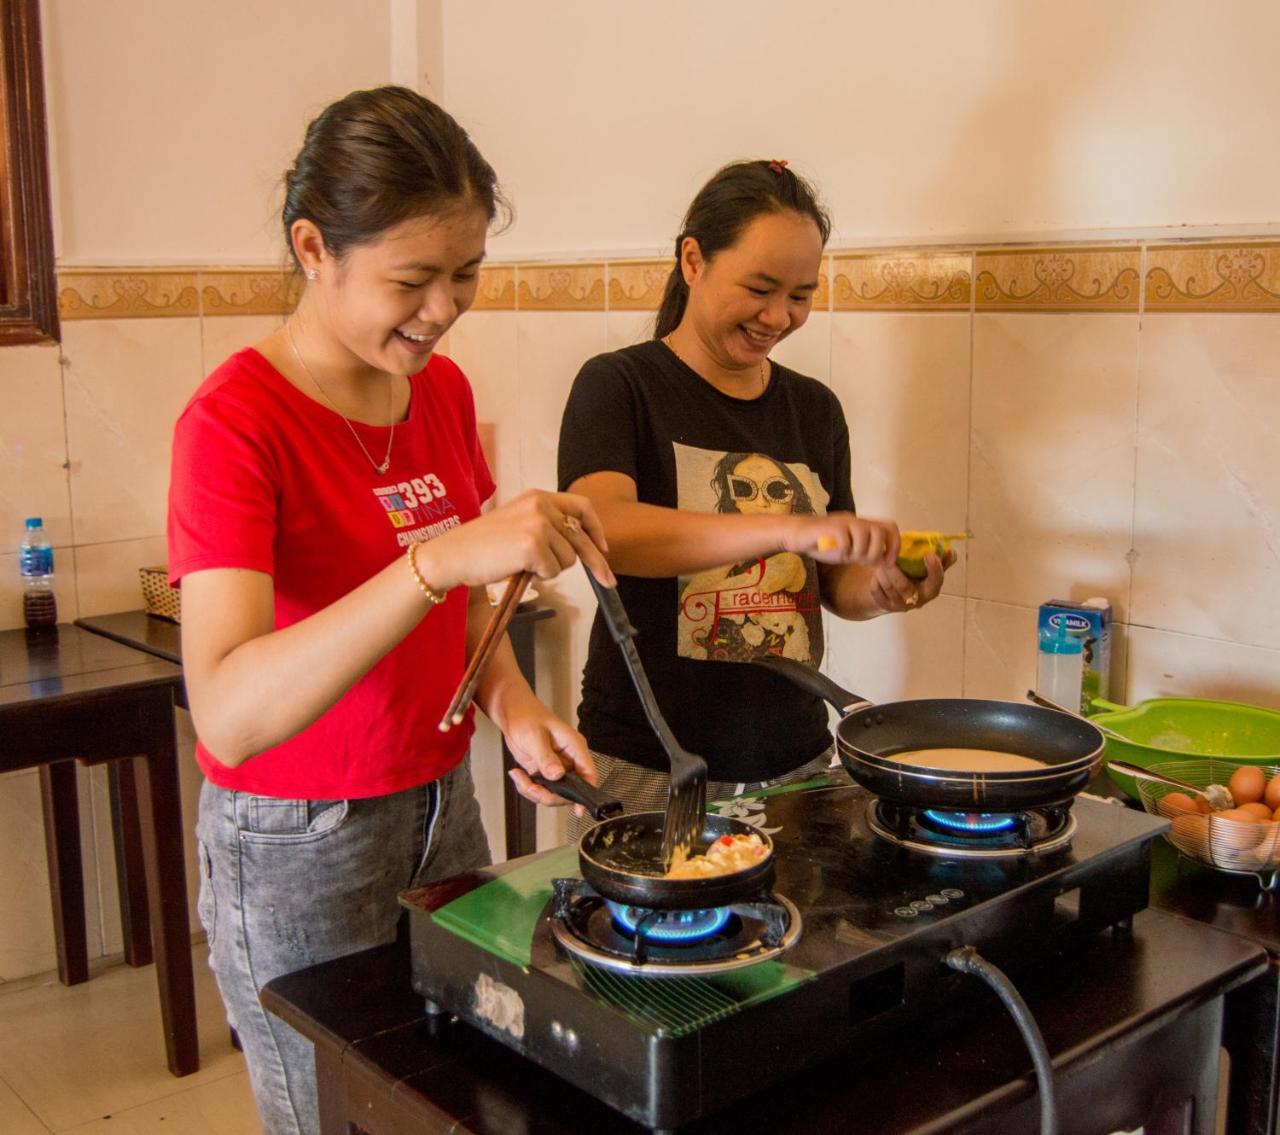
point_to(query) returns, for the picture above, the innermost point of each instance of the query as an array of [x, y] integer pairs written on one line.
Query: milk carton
[[1090, 621]]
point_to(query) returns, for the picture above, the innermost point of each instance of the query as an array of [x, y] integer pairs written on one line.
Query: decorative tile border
[[638, 285], [1222, 277], [1240, 276], [1064, 278], [248, 291], [115, 293], [560, 287], [904, 280], [822, 296], [497, 291]]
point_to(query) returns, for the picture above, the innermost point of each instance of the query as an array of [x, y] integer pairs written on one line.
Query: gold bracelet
[[434, 596]]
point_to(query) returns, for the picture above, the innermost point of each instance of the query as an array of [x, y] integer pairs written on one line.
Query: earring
[[312, 274]]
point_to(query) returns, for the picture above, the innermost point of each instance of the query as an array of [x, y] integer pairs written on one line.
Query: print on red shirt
[[419, 507]]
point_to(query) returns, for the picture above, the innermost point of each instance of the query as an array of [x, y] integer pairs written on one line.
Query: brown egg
[[1276, 814], [1272, 793], [1203, 806], [1190, 835], [1239, 815], [1257, 809], [1175, 803], [1247, 784], [1234, 831], [1269, 846]]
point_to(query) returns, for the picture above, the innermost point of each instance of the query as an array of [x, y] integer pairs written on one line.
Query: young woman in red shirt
[[325, 526]]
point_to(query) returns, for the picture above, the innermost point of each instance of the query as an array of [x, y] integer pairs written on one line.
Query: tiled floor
[[90, 1060]]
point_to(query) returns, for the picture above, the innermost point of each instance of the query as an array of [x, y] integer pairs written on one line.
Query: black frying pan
[[868, 736], [621, 857]]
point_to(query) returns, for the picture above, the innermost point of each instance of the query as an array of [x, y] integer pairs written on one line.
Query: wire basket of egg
[[1242, 838]]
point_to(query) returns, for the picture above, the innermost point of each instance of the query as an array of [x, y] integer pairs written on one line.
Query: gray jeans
[[286, 884]]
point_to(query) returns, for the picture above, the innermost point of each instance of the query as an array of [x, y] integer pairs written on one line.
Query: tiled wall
[[1103, 417]]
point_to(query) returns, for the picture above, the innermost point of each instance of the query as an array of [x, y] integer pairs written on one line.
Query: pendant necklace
[[391, 437], [672, 348]]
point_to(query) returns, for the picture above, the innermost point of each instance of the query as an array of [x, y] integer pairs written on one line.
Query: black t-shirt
[[642, 412]]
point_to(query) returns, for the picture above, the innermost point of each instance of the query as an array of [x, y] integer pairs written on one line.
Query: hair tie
[[778, 165]]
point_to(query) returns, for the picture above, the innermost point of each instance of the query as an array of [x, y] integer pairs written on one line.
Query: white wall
[[920, 120], [173, 123]]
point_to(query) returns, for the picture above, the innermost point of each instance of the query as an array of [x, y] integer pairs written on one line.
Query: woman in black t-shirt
[[722, 481]]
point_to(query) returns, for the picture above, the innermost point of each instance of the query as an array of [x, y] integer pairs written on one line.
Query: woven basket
[[159, 598]]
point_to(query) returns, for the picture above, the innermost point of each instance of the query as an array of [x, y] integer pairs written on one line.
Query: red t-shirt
[[268, 479]]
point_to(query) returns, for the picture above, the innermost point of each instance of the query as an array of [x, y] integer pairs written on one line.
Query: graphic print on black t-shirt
[[762, 606]]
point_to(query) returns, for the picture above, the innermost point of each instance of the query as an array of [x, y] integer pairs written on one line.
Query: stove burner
[[654, 943], [669, 926], [973, 835], [970, 823]]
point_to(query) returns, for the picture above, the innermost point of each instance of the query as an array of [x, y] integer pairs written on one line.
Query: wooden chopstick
[[489, 642]]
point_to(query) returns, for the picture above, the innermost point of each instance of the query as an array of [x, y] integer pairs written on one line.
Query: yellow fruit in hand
[[915, 546]]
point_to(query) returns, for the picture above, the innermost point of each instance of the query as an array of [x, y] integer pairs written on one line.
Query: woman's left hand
[[540, 742], [895, 591]]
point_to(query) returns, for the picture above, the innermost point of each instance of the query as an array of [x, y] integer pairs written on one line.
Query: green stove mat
[[500, 917]]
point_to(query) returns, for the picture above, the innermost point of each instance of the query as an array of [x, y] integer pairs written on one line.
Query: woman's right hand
[[538, 531], [843, 538]]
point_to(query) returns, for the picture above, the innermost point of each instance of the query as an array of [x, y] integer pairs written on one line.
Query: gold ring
[[912, 599], [571, 525]]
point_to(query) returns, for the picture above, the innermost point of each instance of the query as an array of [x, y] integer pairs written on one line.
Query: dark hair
[[734, 197], [377, 158], [801, 504]]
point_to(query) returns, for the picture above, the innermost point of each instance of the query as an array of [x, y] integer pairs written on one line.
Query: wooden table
[[164, 639], [1235, 904], [68, 695], [1133, 1024]]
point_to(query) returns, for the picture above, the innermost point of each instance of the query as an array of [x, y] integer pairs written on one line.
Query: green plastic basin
[[1163, 729]]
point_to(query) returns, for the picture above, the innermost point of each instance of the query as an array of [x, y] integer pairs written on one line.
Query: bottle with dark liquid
[[35, 559]]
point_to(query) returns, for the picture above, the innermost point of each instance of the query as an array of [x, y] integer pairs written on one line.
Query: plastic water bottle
[[35, 560], [1060, 666]]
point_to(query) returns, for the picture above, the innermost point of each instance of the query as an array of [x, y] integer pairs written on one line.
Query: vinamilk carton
[[1091, 622]]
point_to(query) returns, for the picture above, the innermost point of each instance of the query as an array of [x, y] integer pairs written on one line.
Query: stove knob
[[938, 900], [952, 893], [920, 904], [905, 912]]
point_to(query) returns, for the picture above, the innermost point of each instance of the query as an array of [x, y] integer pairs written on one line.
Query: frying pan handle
[[615, 616], [600, 805], [1044, 703], [815, 682]]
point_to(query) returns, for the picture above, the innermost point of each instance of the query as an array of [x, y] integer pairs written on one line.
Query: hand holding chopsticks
[[489, 642], [551, 519]]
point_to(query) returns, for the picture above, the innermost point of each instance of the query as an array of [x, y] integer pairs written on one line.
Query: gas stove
[[973, 835], [667, 1018]]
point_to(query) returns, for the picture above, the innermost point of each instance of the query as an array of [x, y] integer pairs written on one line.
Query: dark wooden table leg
[[66, 880], [160, 803], [131, 878], [1251, 1036], [332, 1096], [521, 814]]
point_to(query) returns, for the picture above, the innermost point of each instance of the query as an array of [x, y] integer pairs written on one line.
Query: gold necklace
[[386, 459], [672, 348]]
